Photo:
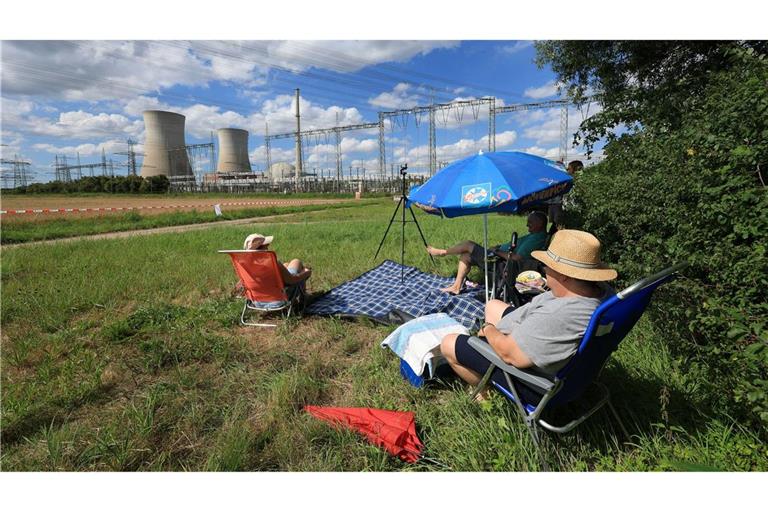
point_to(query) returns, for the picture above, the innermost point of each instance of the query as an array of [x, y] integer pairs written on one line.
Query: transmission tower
[[267, 146], [19, 170], [131, 154]]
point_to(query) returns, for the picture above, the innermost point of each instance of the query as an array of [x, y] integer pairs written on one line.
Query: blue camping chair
[[609, 324]]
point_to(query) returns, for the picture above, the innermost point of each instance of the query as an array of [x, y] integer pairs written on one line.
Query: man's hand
[[482, 332]]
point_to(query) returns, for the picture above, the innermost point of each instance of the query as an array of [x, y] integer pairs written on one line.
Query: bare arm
[[508, 255], [506, 346]]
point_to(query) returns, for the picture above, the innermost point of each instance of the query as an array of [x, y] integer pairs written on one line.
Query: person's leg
[[464, 247], [471, 366], [448, 348], [494, 310], [294, 266], [465, 264]]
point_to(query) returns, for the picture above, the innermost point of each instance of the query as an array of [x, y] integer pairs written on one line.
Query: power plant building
[[233, 151], [164, 147]]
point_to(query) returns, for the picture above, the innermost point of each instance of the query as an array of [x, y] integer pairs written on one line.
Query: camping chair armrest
[[487, 352]]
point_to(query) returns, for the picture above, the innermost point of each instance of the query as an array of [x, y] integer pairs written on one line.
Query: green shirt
[[527, 244]]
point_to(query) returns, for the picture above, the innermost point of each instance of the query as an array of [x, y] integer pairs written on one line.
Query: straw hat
[[575, 254], [259, 239]]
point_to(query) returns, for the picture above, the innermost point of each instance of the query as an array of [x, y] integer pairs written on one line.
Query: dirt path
[[168, 229], [32, 207]]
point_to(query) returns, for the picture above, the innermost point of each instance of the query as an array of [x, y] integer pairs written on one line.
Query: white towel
[[418, 342]]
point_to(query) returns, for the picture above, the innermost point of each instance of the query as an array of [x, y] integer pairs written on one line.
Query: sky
[[76, 80], [80, 98]]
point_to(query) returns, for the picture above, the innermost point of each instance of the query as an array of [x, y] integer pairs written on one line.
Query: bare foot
[[483, 396], [451, 290], [435, 252]]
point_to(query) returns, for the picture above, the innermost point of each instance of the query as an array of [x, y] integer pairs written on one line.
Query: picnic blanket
[[379, 292], [418, 342]]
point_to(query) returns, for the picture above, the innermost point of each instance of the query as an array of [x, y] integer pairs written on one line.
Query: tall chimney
[[233, 151], [164, 152]]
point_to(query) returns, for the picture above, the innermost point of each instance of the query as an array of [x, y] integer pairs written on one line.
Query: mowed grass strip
[[28, 227], [127, 354]]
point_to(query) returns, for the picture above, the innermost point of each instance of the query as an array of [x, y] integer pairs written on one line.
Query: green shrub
[[110, 184], [697, 193]]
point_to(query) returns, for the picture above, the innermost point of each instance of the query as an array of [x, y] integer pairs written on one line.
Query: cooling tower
[[163, 147], [233, 151]]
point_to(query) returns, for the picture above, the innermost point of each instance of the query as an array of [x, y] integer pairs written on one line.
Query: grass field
[[127, 354]]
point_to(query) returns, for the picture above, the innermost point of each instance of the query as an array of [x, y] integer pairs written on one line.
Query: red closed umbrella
[[393, 430]]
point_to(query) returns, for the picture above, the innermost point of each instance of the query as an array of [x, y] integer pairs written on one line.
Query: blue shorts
[[471, 358]]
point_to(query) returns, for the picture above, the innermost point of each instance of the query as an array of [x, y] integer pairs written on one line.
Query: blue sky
[[76, 80], [81, 97]]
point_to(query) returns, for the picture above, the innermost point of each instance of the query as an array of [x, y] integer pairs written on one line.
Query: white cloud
[[462, 148], [352, 145], [551, 153], [135, 106], [10, 144], [279, 112], [348, 56], [13, 110], [104, 70], [99, 70], [399, 98], [74, 124], [516, 47], [544, 91], [504, 139], [89, 149], [549, 132]]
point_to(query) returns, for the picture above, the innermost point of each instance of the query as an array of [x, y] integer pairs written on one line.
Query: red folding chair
[[262, 281]]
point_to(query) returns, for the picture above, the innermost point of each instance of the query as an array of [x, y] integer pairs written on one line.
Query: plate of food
[[530, 281]]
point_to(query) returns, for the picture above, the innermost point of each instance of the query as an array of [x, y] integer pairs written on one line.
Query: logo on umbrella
[[476, 195], [502, 195]]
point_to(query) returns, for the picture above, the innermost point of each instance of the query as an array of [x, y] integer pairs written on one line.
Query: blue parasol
[[502, 181], [495, 182]]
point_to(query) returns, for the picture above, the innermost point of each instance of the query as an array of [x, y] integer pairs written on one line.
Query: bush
[[698, 193], [114, 184]]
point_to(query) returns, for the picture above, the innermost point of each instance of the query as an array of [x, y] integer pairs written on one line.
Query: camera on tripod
[[405, 205]]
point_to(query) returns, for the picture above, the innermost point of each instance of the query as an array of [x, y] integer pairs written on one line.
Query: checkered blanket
[[379, 291]]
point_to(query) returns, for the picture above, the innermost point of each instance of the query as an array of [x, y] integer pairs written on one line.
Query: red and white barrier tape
[[168, 207]]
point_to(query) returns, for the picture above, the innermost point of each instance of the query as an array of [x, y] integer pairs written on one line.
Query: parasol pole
[[485, 256]]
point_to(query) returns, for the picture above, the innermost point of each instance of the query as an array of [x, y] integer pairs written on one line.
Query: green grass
[[20, 229], [126, 354]]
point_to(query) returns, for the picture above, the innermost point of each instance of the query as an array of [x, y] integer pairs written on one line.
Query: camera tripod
[[404, 203]]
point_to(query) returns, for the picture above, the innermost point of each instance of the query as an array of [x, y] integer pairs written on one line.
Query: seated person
[[556, 205], [294, 273], [471, 253], [545, 333]]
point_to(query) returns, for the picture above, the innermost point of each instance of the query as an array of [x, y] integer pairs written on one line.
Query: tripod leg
[[402, 243], [422, 234], [387, 231]]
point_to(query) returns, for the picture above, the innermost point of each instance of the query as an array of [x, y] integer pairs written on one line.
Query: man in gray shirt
[[546, 332]]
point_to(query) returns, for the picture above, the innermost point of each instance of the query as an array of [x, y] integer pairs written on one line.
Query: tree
[[687, 182], [639, 83]]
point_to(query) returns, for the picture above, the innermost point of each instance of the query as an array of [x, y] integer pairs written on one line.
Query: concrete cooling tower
[[162, 148], [233, 151]]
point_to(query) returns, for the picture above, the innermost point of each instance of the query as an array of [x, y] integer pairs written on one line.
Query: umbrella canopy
[[500, 181], [393, 430], [495, 182]]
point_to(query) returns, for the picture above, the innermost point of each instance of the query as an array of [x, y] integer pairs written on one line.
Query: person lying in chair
[[471, 253], [294, 272], [544, 333]]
